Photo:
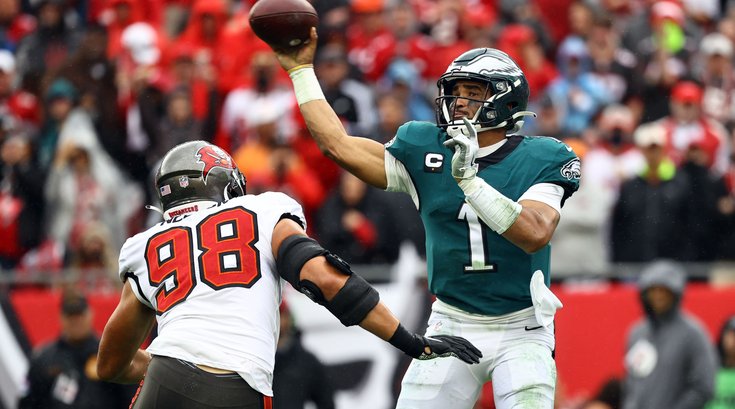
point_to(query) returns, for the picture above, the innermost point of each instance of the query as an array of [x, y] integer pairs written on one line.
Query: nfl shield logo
[[184, 181]]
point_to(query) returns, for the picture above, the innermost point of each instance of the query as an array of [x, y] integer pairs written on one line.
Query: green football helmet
[[506, 105]]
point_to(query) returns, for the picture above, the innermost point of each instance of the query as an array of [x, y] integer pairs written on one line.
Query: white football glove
[[464, 142]]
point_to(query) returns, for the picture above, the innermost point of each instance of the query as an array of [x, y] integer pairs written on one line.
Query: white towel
[[545, 303]]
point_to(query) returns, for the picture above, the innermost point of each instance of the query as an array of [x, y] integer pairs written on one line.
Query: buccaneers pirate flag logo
[[213, 157]]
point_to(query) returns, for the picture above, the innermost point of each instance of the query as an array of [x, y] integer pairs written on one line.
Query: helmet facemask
[[506, 91], [236, 187]]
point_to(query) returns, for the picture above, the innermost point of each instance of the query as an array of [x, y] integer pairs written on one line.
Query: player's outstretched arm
[[362, 157], [328, 280], [119, 358]]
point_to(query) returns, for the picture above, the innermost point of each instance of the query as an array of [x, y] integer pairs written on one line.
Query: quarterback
[[210, 274], [490, 201]]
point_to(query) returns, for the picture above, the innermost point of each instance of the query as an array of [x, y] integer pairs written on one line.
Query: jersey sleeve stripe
[[293, 217], [138, 290]]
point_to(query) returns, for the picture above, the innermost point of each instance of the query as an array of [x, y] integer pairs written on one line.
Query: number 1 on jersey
[[479, 253]]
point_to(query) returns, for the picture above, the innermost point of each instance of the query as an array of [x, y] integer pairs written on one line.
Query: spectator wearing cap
[[651, 214], [709, 195], [63, 374], [141, 85], [664, 55], [639, 35], [669, 360], [725, 381], [717, 75], [688, 127], [117, 15], [60, 99]]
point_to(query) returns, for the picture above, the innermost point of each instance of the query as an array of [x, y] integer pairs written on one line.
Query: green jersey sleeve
[[561, 166], [411, 141]]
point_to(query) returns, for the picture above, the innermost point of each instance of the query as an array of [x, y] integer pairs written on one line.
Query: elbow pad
[[351, 303]]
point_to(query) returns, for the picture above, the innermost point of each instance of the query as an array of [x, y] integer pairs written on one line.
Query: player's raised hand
[[464, 142], [293, 57], [439, 346]]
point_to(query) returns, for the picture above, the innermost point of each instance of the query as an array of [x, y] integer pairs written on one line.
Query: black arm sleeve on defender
[[353, 301], [294, 252]]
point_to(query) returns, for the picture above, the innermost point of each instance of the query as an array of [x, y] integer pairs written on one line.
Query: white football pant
[[516, 356]]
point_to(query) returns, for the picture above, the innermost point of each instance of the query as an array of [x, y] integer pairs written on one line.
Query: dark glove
[[438, 346], [448, 345]]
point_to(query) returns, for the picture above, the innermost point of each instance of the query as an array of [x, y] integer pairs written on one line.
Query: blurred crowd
[[94, 92]]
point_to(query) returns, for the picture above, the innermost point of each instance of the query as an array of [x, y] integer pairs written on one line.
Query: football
[[283, 23]]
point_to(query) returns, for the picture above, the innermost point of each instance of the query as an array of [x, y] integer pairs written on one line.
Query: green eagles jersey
[[469, 265]]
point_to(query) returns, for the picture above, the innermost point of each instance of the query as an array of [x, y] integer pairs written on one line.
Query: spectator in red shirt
[[13, 25], [687, 126], [370, 42], [16, 105], [205, 30]]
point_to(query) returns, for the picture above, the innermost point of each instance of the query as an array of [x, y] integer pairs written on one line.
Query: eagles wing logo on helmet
[[213, 157]]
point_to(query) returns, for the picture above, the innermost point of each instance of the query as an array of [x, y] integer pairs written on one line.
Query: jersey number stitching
[[479, 262], [228, 256]]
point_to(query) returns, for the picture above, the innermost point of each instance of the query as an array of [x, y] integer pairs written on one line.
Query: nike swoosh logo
[[533, 328]]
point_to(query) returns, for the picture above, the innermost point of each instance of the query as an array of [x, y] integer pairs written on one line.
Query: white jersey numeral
[[478, 248]]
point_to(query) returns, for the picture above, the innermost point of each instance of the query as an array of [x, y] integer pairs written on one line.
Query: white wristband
[[305, 84], [491, 206]]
